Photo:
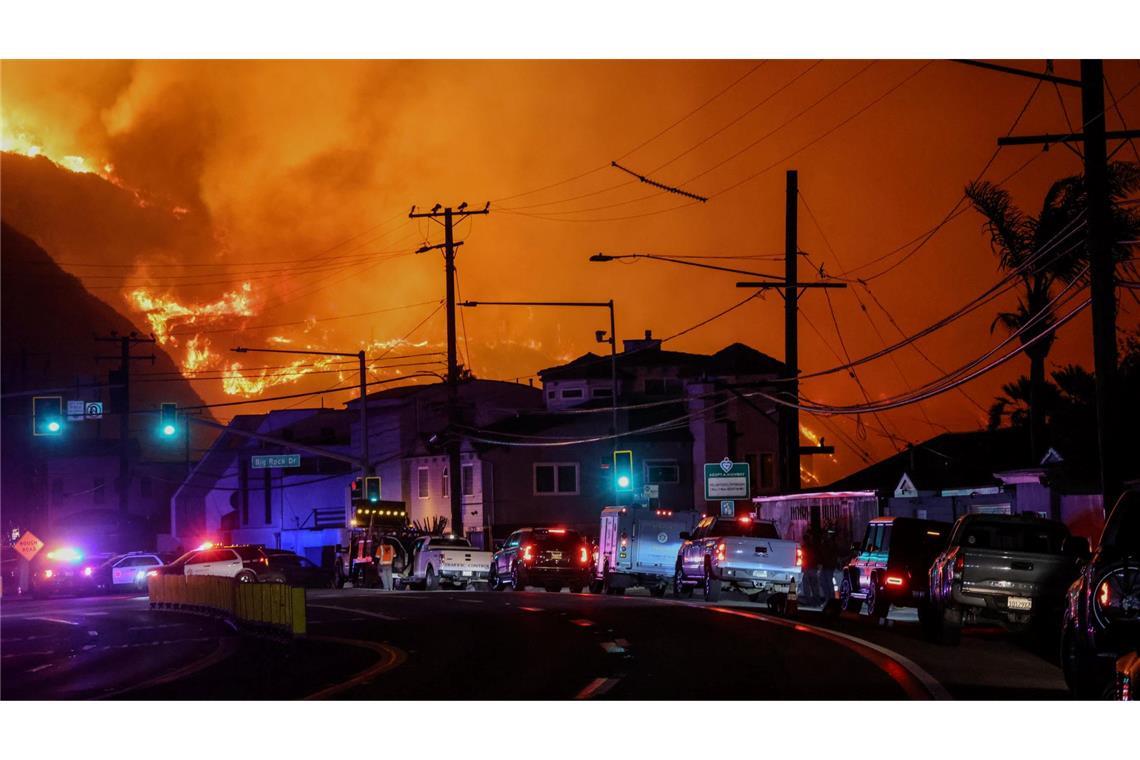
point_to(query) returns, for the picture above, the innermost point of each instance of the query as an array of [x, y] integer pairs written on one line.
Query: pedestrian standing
[[828, 561]]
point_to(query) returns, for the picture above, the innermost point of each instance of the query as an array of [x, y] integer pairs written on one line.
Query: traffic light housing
[[372, 489], [623, 471], [356, 491], [168, 420], [47, 415]]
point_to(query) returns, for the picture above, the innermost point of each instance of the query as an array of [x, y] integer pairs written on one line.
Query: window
[[468, 473], [556, 479], [424, 491], [662, 471], [445, 483], [99, 495], [571, 393]]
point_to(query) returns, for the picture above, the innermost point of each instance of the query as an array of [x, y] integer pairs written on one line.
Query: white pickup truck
[[445, 560], [740, 553]]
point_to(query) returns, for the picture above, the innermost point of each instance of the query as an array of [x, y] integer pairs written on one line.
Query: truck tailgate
[[1016, 573], [767, 553], [463, 559], [656, 545]]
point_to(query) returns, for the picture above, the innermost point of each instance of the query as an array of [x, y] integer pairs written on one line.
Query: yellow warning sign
[[29, 546]]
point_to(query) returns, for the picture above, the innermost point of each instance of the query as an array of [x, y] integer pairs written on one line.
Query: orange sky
[[249, 171]]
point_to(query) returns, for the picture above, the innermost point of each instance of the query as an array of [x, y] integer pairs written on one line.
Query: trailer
[[637, 547]]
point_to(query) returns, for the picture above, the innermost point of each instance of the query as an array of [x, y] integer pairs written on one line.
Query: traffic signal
[[372, 488], [168, 420], [623, 471], [47, 415], [356, 490]]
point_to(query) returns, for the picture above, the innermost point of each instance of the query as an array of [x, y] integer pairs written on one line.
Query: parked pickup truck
[[740, 553], [637, 546], [445, 561], [1011, 569]]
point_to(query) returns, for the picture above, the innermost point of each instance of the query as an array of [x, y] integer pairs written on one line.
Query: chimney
[[647, 343]]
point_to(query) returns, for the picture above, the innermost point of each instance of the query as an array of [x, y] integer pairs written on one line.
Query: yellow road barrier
[[267, 605]]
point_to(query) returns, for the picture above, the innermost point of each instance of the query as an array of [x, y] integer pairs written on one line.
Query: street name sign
[[28, 546], [727, 480], [267, 461]]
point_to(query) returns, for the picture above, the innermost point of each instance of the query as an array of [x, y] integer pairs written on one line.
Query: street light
[[612, 340]]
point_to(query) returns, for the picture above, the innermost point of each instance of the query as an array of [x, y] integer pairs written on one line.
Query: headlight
[[1116, 597]]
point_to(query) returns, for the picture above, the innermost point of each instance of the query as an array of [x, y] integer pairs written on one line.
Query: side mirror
[[685, 535]]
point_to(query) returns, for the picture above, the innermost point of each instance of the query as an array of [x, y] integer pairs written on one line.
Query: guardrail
[[268, 606]]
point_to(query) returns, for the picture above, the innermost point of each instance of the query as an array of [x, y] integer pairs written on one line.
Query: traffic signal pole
[[454, 442], [124, 406]]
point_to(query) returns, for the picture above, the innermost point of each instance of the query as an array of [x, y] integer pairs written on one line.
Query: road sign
[[267, 461], [29, 546], [651, 491], [727, 480], [728, 509], [93, 410], [75, 410]]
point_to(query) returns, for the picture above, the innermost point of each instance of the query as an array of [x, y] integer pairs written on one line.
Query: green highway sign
[[727, 480], [267, 461]]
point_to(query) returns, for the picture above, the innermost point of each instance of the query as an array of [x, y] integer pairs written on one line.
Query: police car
[[125, 571]]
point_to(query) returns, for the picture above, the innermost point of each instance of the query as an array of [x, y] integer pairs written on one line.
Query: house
[[941, 479]]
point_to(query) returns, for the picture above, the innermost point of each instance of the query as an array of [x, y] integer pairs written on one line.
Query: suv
[[547, 557], [1102, 611], [247, 563], [125, 570], [890, 566]]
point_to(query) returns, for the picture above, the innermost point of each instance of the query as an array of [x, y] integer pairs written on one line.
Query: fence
[[269, 606]]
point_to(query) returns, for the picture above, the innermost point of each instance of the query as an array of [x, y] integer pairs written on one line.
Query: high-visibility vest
[[386, 554]]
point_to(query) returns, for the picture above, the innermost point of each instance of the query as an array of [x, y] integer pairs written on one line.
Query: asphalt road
[[365, 644]]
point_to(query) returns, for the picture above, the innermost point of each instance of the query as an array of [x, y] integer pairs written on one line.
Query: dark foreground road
[[481, 645]]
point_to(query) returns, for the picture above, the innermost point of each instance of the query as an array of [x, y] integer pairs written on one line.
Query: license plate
[[556, 555], [1019, 603], [467, 573], [759, 573]]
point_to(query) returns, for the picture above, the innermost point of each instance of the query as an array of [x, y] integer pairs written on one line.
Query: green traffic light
[[623, 481], [168, 430], [53, 426]]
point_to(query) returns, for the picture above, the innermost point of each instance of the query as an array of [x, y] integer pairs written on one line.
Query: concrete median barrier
[[269, 607]]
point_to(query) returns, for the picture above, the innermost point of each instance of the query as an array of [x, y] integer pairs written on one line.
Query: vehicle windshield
[[450, 541], [569, 539], [1122, 532], [1035, 537], [744, 529]]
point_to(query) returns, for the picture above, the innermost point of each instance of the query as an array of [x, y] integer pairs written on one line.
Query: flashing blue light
[[623, 481]]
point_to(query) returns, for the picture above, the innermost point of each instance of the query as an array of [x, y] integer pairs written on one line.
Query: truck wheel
[[680, 590], [431, 583], [658, 590], [712, 586], [493, 580], [847, 600], [518, 578], [950, 628]]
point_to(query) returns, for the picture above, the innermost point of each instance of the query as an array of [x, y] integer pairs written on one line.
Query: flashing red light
[[205, 545], [583, 555], [556, 530], [959, 563], [746, 519], [48, 573], [894, 580], [720, 551], [528, 552], [799, 557]]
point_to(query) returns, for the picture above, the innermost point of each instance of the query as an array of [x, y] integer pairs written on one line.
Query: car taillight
[[894, 580], [48, 573], [528, 553], [88, 570], [799, 557], [720, 549], [959, 563]]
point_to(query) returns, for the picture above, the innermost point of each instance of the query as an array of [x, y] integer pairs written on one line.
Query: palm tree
[[1043, 250]]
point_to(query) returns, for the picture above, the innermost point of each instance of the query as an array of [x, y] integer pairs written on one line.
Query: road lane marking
[[596, 688], [391, 658], [225, 648], [56, 620], [531, 609], [26, 654], [916, 682], [88, 614], [38, 668], [355, 611], [469, 601], [611, 647], [583, 622]]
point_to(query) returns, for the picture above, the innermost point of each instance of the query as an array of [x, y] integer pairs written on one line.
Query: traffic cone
[[793, 604]]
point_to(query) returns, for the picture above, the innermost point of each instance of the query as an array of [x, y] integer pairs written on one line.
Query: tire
[[712, 585], [518, 578], [877, 605], [431, 582], [950, 627], [680, 590], [245, 576], [847, 602], [493, 580], [657, 591]]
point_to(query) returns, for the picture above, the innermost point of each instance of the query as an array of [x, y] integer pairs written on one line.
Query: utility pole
[[123, 407], [454, 474], [791, 417], [1099, 245]]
